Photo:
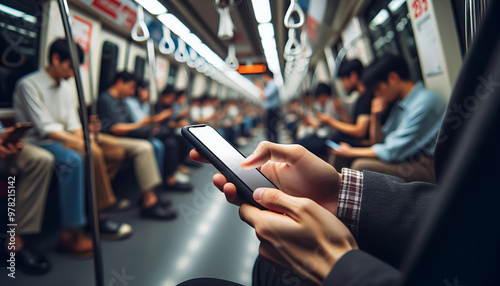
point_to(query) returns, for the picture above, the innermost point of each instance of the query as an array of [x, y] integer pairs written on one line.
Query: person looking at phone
[[117, 121], [47, 99], [353, 130], [315, 142], [404, 144], [32, 167]]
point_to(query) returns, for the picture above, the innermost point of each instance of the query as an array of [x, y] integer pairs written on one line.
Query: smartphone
[[332, 144], [227, 160], [18, 133]]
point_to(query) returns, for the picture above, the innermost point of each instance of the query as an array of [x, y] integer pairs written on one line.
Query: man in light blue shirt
[[404, 145], [271, 97]]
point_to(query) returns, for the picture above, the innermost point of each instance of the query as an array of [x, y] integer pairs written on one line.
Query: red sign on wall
[[108, 7], [419, 7], [120, 11]]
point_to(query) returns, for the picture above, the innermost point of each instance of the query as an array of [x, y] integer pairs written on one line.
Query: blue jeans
[[69, 173], [159, 153]]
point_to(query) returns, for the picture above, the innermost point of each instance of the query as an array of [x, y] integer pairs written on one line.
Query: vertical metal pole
[[466, 26], [472, 19], [89, 167], [93, 109], [152, 80]]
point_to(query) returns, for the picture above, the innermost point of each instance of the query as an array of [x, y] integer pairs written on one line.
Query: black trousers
[[272, 118]]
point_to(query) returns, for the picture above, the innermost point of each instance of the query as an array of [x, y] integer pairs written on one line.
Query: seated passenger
[[139, 108], [352, 129], [117, 121], [47, 99], [315, 143], [404, 144], [171, 126], [32, 167]]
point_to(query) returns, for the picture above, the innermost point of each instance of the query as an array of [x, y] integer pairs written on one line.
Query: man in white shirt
[[47, 99]]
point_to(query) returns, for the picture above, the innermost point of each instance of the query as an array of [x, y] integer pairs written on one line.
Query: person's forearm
[[344, 117], [122, 129], [362, 152], [375, 129], [357, 130], [162, 116], [66, 137]]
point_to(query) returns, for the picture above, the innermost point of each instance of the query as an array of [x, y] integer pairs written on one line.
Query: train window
[[109, 61], [389, 29], [19, 43], [139, 67]]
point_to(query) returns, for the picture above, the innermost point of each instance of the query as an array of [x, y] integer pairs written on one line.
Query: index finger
[[266, 151]]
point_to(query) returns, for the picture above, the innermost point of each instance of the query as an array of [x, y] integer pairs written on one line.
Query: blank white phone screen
[[230, 157]]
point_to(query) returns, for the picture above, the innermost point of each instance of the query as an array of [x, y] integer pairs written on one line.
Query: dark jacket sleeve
[[357, 268], [391, 211]]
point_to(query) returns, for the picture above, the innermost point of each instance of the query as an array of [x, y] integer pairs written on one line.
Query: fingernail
[[257, 194], [247, 159]]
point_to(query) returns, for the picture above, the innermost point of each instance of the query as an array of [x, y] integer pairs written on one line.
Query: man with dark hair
[[116, 120], [403, 146], [352, 130], [47, 99], [271, 97]]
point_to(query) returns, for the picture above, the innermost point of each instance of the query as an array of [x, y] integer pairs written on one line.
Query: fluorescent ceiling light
[[381, 17], [17, 14], [262, 10], [152, 6], [266, 30], [13, 12], [395, 4], [174, 24]]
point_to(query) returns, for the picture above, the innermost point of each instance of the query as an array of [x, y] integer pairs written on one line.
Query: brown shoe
[[75, 244]]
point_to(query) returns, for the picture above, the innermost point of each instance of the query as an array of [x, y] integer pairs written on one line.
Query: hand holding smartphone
[[332, 144], [18, 133], [227, 159]]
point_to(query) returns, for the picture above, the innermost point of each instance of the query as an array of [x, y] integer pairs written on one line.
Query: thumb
[[277, 201]]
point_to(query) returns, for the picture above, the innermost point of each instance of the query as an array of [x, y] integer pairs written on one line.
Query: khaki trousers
[[142, 154], [421, 170], [33, 167], [108, 155]]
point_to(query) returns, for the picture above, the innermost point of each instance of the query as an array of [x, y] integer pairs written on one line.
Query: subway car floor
[[207, 239]]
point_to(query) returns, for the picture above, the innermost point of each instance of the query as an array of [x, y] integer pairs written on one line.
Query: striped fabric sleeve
[[350, 195]]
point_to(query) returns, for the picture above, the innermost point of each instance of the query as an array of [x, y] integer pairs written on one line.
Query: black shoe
[[178, 187], [121, 205], [162, 200], [158, 212], [112, 230], [31, 262]]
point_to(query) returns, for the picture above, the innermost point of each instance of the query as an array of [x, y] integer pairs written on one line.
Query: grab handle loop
[[140, 24], [294, 7], [166, 45]]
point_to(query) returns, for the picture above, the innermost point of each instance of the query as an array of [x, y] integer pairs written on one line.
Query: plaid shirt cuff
[[350, 194]]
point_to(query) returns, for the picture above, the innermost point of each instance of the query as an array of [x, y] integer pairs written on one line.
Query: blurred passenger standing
[[271, 97]]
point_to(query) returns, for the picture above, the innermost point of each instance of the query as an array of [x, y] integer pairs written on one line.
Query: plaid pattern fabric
[[351, 190]]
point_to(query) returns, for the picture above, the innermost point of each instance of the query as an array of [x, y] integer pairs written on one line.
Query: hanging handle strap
[[181, 54], [292, 46], [231, 59], [140, 25], [294, 7], [166, 45]]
